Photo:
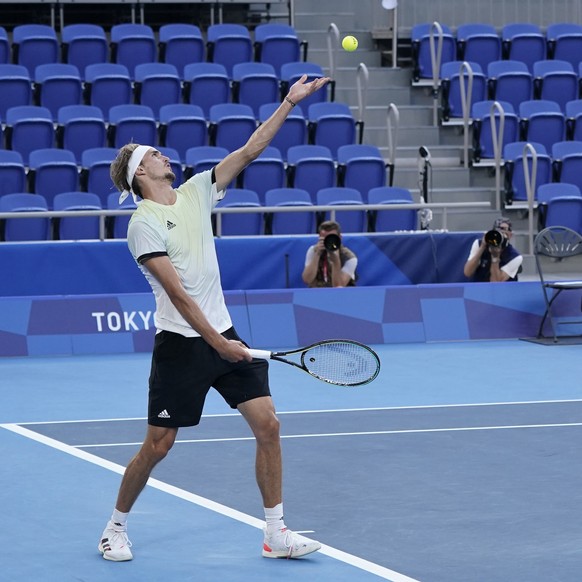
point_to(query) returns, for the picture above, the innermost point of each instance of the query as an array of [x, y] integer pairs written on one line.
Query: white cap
[[134, 161]]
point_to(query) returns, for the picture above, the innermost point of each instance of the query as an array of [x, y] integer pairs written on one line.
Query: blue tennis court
[[460, 462]]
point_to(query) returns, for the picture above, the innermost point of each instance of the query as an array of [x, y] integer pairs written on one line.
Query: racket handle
[[260, 354]]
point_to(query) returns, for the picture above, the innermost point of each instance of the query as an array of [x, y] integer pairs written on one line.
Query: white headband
[[134, 161]]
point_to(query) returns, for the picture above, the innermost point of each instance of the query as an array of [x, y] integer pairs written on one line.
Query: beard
[[170, 177]]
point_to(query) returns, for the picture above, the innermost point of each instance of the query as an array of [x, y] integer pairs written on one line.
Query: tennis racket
[[339, 362]]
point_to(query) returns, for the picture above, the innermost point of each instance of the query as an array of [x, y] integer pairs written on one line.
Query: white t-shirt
[[183, 231]]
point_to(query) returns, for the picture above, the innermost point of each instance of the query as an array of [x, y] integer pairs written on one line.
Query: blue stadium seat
[[560, 205], [282, 223], [205, 85], [542, 121], [311, 168], [515, 186], [29, 127], [573, 125], [267, 172], [555, 81], [231, 125], [523, 42], [182, 126], [509, 81], [203, 158], [4, 46], [391, 220], [77, 227], [294, 129], [243, 223], [483, 147], [421, 59], [361, 167], [33, 45], [83, 45], [12, 173], [451, 87], [350, 220], [57, 85], [478, 43], [52, 171], [292, 72], [254, 84], [80, 127], [132, 44], [565, 42], [95, 177], [229, 44], [156, 85], [277, 44], [117, 225], [132, 123], [567, 162], [25, 229], [107, 85], [15, 87], [180, 45], [331, 125]]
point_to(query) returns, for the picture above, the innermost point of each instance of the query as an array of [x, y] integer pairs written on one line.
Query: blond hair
[[118, 170]]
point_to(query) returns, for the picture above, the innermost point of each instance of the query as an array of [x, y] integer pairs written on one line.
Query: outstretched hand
[[300, 89]]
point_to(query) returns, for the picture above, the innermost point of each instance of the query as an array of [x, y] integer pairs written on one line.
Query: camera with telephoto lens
[[332, 242], [495, 238]]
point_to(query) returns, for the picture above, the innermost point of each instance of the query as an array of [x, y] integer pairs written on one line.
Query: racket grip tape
[[260, 354]]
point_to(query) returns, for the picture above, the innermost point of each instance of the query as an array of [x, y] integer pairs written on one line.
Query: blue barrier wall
[[90, 298], [79, 268], [93, 324]]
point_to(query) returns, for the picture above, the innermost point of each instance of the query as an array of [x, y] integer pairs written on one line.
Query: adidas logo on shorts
[[164, 414]]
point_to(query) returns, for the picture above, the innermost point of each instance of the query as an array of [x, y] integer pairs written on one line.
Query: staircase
[[449, 180]]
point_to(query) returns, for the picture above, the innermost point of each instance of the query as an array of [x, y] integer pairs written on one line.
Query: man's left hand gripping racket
[[339, 362]]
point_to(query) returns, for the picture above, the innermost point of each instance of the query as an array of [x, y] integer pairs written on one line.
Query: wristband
[[290, 102], [493, 260]]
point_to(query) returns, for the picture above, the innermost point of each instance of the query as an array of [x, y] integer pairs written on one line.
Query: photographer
[[328, 263], [493, 258]]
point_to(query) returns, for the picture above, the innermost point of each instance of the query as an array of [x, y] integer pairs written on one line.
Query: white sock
[[274, 518], [119, 520]]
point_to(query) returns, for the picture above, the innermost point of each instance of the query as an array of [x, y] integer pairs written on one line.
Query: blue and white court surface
[[461, 462]]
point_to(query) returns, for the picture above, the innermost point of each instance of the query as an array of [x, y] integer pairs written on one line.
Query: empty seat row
[[249, 223], [132, 44], [55, 85], [539, 121], [70, 227], [230, 125], [509, 81], [51, 171], [481, 43], [306, 221]]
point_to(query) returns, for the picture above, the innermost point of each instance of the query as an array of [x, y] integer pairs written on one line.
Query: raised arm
[[236, 161]]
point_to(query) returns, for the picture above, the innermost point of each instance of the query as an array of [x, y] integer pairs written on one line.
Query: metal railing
[[443, 207]]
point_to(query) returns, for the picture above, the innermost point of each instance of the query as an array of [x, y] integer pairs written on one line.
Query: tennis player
[[196, 347]]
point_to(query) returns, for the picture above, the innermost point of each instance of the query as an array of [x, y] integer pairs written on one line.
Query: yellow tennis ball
[[350, 43]]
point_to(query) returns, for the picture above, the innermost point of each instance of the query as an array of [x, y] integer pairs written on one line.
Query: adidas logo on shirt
[[170, 225], [164, 414]]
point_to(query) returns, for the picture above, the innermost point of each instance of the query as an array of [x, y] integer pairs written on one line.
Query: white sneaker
[[287, 544], [114, 545]]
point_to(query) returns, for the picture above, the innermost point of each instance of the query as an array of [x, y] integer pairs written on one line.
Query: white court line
[[343, 434], [380, 571], [331, 410]]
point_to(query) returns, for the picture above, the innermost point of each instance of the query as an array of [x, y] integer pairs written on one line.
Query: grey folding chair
[[551, 245]]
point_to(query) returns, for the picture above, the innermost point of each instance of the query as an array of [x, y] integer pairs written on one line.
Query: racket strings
[[341, 363]]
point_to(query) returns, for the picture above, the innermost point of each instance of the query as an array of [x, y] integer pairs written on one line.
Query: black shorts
[[183, 371]]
